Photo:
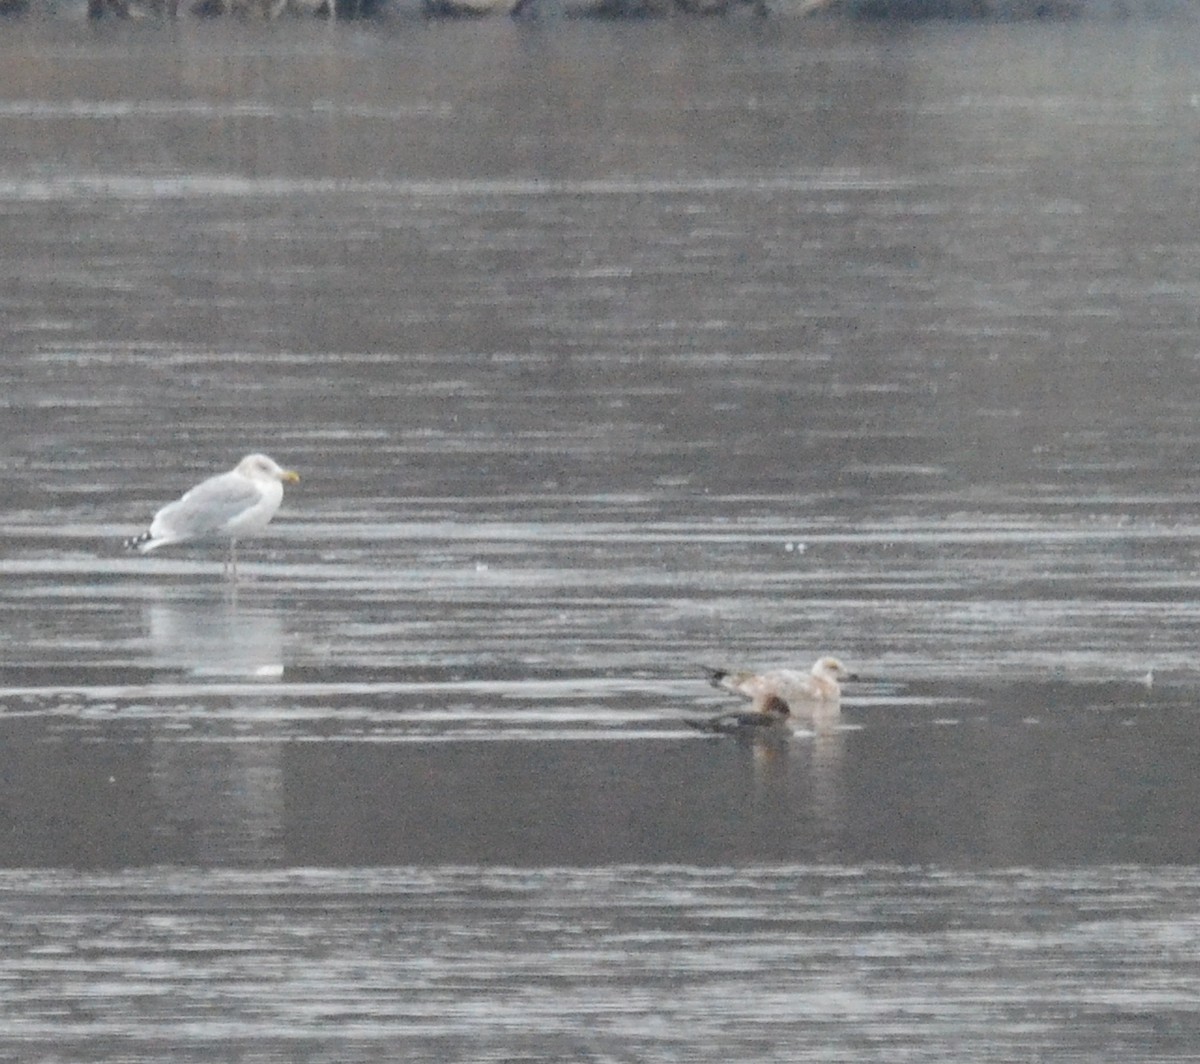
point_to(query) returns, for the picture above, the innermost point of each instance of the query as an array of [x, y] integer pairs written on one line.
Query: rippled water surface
[[603, 351], [621, 963]]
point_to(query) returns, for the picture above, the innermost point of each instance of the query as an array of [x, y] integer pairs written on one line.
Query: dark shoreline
[[897, 11]]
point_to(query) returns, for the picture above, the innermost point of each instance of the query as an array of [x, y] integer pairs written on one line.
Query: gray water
[[603, 350]]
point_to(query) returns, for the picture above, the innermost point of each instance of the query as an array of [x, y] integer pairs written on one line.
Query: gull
[[778, 698], [228, 506]]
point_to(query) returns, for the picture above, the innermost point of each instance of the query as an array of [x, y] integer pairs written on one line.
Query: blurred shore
[[866, 10]]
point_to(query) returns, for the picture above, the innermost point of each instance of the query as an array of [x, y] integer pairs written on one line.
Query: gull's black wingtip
[[135, 542]]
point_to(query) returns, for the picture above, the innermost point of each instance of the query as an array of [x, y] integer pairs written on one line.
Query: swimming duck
[[778, 698]]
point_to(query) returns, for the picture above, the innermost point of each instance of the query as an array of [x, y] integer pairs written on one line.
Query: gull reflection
[[215, 636], [222, 803], [218, 780]]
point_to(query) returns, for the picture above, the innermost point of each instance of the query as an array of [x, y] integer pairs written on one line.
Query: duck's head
[[830, 668]]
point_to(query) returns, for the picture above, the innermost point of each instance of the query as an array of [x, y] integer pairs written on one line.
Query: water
[[604, 964], [603, 351]]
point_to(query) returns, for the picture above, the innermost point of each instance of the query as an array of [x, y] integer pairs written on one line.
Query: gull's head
[[828, 668], [261, 467]]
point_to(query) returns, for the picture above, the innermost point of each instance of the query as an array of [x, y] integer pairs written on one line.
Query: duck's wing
[[742, 683], [791, 686], [737, 723], [716, 677]]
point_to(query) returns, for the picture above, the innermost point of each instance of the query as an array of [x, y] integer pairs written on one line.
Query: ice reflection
[[220, 635]]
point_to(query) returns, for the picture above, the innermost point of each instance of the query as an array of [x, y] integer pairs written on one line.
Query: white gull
[[225, 507]]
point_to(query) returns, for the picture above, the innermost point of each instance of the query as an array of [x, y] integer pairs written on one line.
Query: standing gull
[[229, 506], [779, 698]]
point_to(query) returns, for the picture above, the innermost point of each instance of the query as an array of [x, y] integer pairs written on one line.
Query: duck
[[779, 698]]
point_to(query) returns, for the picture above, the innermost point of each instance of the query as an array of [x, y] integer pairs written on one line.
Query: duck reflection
[[828, 790], [804, 776]]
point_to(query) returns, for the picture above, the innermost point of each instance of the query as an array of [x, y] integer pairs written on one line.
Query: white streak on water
[[86, 187]]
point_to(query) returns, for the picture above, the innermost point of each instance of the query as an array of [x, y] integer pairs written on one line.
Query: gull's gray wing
[[206, 509]]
